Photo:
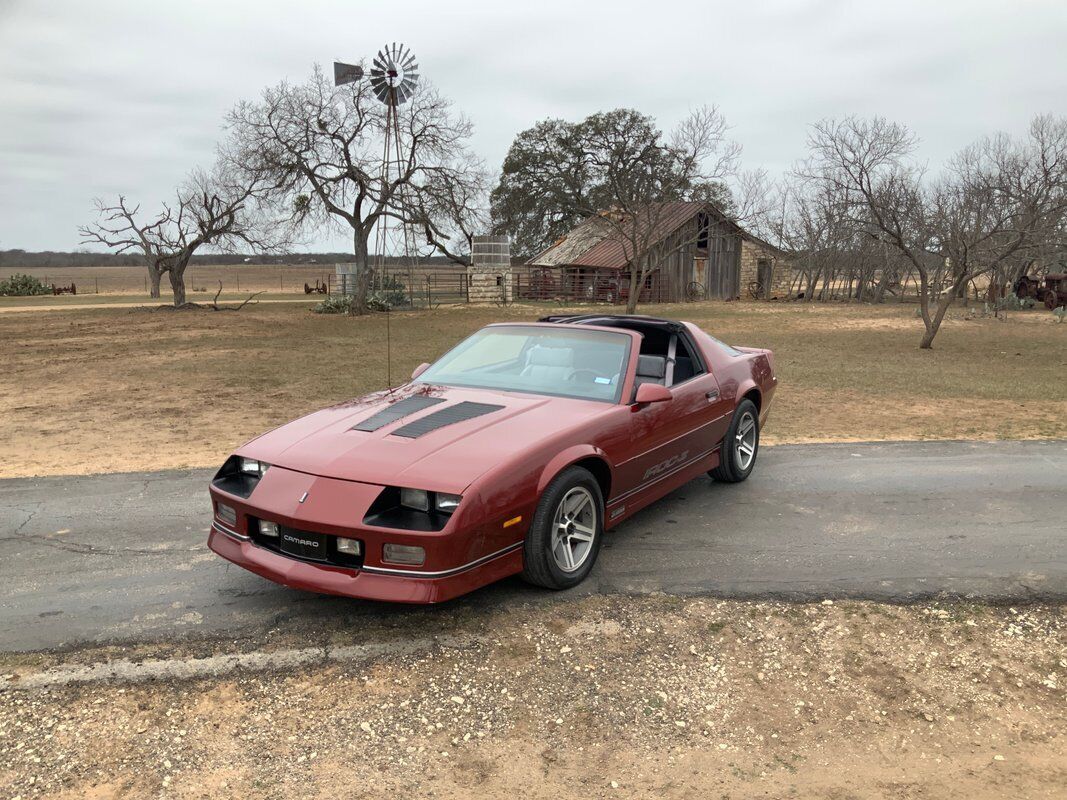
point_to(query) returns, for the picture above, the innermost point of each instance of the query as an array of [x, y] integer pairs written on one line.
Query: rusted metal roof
[[586, 235], [610, 253], [594, 244]]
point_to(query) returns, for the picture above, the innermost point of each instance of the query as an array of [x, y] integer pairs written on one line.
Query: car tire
[[555, 554], [735, 460]]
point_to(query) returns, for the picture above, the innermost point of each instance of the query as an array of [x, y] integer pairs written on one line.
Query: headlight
[[415, 498], [250, 466], [239, 476], [412, 509], [446, 503]]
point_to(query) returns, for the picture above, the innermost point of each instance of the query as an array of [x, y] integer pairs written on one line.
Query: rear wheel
[[737, 456], [565, 533]]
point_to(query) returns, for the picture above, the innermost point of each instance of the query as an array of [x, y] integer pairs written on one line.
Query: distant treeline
[[57, 260]]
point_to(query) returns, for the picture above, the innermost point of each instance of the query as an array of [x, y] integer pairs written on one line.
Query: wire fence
[[401, 287]]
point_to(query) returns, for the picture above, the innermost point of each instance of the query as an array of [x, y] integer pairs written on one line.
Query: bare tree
[[997, 199], [118, 228], [324, 148], [216, 209]]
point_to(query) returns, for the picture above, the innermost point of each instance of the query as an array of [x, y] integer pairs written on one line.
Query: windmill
[[394, 74]]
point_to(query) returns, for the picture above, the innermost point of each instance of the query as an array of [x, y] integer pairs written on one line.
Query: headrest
[[550, 356], [651, 366]]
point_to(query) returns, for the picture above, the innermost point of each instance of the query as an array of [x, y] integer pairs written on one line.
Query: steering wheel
[[593, 375]]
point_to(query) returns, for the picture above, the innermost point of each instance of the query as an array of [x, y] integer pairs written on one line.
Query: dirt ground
[[117, 389], [599, 697]]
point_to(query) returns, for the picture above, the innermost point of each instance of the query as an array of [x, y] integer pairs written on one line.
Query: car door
[[668, 435]]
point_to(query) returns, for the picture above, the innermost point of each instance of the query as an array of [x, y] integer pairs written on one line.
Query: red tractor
[[1053, 294]]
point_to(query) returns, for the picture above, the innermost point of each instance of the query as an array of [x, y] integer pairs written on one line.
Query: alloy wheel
[[574, 529], [745, 441]]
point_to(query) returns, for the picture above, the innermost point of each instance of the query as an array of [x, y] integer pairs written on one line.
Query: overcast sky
[[103, 97]]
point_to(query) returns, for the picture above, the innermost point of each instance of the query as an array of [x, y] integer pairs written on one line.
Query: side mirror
[[421, 368], [652, 393]]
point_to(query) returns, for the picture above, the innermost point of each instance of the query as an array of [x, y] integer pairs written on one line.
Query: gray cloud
[[104, 97]]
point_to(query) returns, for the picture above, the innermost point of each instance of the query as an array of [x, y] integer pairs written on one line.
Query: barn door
[[724, 265], [763, 278]]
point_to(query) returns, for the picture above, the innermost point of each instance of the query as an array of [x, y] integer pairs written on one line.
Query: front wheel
[[565, 533], [737, 456]]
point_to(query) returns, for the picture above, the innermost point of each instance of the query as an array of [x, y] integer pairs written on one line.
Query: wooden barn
[[698, 252]]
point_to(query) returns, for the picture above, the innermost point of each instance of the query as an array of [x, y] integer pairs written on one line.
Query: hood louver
[[460, 412], [398, 410]]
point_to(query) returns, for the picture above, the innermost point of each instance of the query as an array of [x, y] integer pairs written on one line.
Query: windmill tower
[[394, 75]]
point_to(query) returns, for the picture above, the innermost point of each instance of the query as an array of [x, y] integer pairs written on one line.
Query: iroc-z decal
[[663, 466]]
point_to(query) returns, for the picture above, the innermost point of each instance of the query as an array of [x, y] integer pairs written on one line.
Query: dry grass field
[[116, 389]]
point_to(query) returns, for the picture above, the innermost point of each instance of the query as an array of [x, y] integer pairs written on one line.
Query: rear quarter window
[[732, 351]]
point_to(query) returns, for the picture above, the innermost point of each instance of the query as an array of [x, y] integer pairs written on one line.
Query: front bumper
[[399, 586], [468, 553]]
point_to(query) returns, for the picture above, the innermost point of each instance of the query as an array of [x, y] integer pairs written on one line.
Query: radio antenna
[[388, 352]]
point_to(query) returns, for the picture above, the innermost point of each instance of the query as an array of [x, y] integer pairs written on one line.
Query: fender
[[746, 386], [565, 458]]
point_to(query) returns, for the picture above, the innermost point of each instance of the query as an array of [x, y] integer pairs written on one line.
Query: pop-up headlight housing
[[412, 509], [239, 476]]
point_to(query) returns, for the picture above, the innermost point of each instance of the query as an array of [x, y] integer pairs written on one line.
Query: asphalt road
[[120, 558]]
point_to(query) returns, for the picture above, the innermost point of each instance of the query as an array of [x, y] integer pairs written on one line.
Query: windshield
[[537, 359]]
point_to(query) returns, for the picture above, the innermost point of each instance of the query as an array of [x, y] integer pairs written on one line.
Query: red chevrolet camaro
[[511, 454]]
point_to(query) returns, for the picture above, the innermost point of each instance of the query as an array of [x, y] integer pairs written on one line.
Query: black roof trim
[[592, 319]]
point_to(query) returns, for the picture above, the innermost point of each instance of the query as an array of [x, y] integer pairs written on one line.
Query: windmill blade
[[394, 73], [346, 73]]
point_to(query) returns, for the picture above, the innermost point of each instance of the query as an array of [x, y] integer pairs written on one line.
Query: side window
[[685, 365]]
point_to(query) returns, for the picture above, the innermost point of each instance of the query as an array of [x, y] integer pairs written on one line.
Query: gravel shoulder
[[598, 697]]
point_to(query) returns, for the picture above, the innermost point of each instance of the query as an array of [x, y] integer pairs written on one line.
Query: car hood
[[447, 459]]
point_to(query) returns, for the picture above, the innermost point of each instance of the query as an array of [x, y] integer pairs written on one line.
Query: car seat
[[549, 364], [651, 369]]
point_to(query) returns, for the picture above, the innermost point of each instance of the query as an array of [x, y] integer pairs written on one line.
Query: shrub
[[1060, 312], [19, 285], [1011, 302], [392, 294], [335, 304]]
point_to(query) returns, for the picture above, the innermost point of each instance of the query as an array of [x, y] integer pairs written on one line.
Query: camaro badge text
[[295, 540]]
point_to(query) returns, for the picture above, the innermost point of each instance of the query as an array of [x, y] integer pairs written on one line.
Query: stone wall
[[781, 271], [489, 277], [489, 285]]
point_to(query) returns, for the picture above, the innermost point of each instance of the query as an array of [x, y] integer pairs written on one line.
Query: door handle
[[712, 396]]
